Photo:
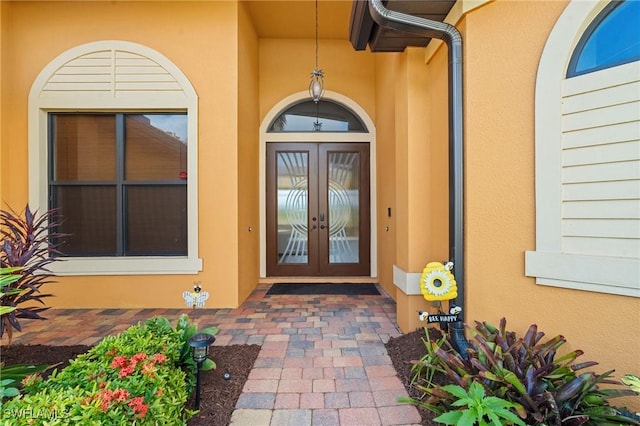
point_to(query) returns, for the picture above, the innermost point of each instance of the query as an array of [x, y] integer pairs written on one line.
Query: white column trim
[[407, 282]]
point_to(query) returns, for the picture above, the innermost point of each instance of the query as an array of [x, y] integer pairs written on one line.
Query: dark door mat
[[323, 288]]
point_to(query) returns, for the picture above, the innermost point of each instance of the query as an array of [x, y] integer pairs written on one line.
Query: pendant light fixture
[[316, 86]]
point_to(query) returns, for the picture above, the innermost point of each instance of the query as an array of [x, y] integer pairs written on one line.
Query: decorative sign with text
[[441, 317]]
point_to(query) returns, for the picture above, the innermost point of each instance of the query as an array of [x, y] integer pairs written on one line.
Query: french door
[[318, 212]]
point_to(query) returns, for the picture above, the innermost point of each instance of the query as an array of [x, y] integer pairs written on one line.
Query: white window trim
[[182, 98], [548, 264]]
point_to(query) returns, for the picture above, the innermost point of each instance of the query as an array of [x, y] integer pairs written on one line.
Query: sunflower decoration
[[437, 282]]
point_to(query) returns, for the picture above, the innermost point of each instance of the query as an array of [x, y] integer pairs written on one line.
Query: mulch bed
[[219, 396], [407, 348]]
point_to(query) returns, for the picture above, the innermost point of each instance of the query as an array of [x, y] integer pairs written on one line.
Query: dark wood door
[[318, 209]]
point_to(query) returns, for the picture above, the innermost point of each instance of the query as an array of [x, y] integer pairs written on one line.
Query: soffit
[[342, 20]]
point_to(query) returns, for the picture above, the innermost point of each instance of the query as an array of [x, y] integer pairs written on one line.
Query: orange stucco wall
[[500, 66], [421, 159], [201, 38], [3, 157], [421, 170], [386, 66], [285, 66], [248, 122]]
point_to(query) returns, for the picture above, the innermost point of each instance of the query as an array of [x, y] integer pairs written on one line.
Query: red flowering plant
[[131, 378]]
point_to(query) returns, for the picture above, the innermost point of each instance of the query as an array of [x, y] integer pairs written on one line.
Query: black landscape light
[[200, 345]]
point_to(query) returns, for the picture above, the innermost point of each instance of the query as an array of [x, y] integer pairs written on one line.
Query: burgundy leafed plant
[[29, 241]]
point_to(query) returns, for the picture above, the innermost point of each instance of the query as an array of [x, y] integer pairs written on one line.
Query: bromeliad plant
[[545, 390], [27, 244], [425, 370]]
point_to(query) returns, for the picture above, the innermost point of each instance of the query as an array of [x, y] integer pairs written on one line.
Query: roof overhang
[[364, 30]]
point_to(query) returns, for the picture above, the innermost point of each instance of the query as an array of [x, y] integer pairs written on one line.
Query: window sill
[[612, 275], [126, 266]]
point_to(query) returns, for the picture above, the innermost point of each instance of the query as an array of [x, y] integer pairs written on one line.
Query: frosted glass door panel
[[293, 207], [343, 196]]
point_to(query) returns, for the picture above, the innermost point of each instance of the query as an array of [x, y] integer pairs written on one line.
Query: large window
[[120, 182], [113, 143]]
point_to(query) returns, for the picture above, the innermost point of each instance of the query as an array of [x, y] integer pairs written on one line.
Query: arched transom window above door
[[322, 116]]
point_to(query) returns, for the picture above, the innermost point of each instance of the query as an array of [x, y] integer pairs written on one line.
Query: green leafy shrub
[[131, 378], [525, 371], [474, 407], [154, 336], [27, 244]]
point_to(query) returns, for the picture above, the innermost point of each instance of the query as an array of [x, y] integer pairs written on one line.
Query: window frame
[[549, 263], [120, 182], [51, 92]]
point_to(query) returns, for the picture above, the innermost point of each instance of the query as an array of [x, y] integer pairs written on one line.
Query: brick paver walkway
[[322, 362]]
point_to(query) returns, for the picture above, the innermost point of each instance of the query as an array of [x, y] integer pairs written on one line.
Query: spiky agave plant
[[29, 243]]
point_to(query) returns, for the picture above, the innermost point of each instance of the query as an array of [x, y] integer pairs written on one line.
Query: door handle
[[323, 227], [313, 225]]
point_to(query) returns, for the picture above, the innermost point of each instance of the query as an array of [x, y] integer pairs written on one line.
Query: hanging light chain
[[316, 86], [316, 34]]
